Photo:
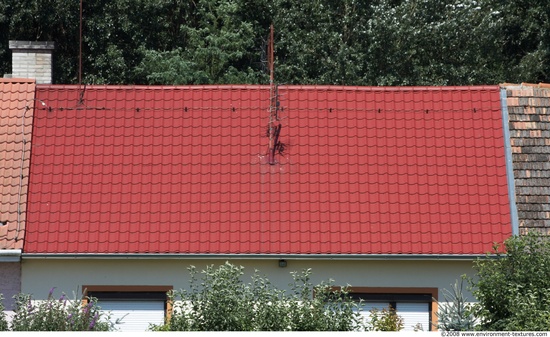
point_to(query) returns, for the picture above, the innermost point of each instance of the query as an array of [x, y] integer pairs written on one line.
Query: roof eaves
[[395, 257]]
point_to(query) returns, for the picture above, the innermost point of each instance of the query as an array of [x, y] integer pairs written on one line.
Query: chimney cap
[[36, 45]]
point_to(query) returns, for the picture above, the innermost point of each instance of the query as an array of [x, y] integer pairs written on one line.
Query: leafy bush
[[55, 315], [221, 301], [456, 313], [3, 320], [331, 309], [513, 289], [385, 320]]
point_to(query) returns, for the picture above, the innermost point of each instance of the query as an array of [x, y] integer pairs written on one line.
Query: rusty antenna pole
[[270, 55], [80, 50], [273, 130]]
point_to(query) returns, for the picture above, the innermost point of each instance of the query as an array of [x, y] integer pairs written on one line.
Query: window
[[136, 306], [417, 306]]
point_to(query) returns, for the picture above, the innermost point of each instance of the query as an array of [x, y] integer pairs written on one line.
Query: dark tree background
[[349, 42]]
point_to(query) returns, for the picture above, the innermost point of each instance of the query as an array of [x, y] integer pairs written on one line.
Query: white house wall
[[68, 275]]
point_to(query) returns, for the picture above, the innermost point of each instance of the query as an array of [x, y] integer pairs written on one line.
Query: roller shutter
[[413, 314], [366, 307], [135, 315]]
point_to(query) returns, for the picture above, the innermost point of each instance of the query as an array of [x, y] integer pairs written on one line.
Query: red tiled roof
[[16, 111], [183, 170]]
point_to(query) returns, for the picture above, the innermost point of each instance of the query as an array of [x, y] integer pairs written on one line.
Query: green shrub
[[385, 320], [3, 320], [513, 289], [456, 313], [221, 301], [57, 314], [331, 309]]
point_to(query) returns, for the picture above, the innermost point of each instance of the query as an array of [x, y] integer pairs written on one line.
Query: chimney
[[32, 59]]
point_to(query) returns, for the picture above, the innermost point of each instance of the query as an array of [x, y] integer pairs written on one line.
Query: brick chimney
[[32, 59]]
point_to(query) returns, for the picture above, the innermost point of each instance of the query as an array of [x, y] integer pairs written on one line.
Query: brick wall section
[[10, 282], [529, 118]]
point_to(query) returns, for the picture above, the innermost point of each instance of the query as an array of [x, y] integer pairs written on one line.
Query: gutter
[[10, 255], [340, 257]]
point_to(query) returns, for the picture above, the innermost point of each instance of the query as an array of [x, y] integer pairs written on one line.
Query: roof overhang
[[319, 257], [10, 255]]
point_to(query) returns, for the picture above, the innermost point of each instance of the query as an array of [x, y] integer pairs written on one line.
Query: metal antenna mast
[[274, 128], [80, 49]]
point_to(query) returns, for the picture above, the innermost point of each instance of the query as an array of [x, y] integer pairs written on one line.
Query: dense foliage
[[513, 290], [385, 320], [3, 320], [351, 42], [221, 301], [54, 314]]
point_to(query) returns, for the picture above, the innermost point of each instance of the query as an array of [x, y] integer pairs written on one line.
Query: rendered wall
[[39, 275], [10, 282]]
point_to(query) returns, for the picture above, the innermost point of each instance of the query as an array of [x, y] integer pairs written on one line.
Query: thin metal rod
[[271, 55], [272, 99], [80, 49]]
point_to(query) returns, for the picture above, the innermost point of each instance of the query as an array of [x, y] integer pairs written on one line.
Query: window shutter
[[366, 307], [134, 315], [414, 313]]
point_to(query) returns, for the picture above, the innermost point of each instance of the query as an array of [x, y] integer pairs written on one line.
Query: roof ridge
[[540, 85], [17, 80]]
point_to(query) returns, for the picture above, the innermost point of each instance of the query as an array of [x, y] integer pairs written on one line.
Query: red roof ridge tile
[[17, 80], [541, 85]]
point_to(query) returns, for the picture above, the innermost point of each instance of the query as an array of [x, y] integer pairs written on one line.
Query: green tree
[[432, 42], [347, 42], [42, 20], [320, 42], [216, 49], [524, 30], [113, 37], [513, 289]]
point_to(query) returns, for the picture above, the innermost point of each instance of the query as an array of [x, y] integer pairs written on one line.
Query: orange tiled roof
[[16, 113]]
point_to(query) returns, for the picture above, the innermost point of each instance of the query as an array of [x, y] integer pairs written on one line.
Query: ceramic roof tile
[[529, 122], [185, 170], [16, 113]]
